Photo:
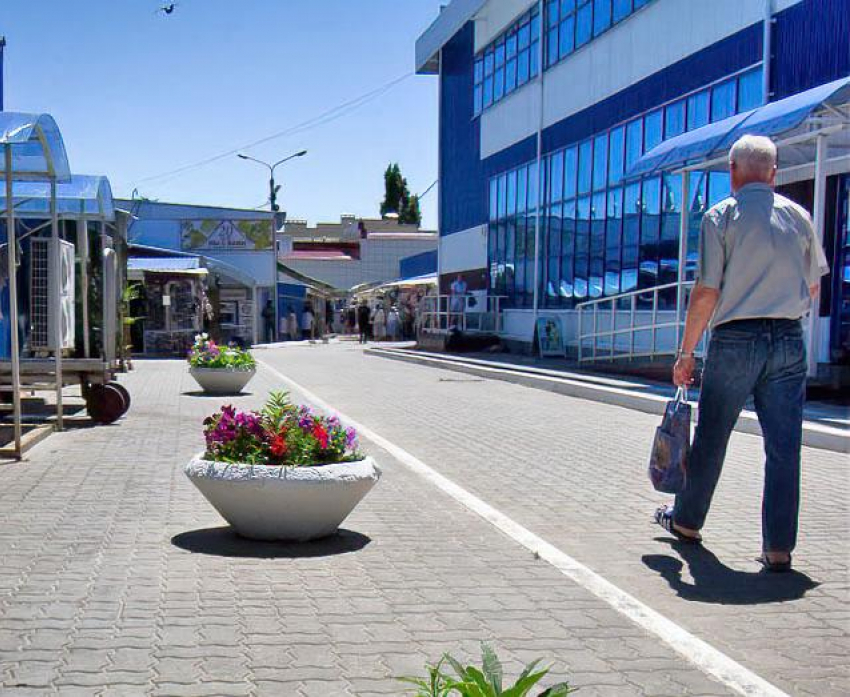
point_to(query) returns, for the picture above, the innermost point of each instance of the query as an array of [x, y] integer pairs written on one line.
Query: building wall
[[418, 264], [664, 51], [380, 257]]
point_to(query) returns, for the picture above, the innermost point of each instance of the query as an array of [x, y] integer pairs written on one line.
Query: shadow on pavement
[[224, 542], [714, 582], [204, 395]]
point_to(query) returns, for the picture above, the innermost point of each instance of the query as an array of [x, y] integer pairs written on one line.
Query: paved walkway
[[116, 577]]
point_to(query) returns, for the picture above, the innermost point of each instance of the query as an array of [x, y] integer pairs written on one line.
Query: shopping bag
[[668, 463]]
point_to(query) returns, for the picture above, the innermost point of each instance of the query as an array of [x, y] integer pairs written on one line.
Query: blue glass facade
[[507, 63], [601, 236]]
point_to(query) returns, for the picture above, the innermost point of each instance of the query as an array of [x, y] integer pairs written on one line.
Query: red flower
[[320, 433], [279, 445]]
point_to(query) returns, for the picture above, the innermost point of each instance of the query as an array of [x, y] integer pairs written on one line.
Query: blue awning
[[777, 119], [83, 196], [38, 151], [165, 264]]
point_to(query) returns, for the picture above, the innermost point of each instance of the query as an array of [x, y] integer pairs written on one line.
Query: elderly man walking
[[759, 271]]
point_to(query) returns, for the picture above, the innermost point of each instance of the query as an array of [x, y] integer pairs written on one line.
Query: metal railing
[[441, 313], [644, 325]]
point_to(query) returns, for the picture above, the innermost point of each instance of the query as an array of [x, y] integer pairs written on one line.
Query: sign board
[[549, 337], [226, 235]]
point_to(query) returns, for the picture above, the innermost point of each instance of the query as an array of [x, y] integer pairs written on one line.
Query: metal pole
[[767, 41], [538, 187], [13, 301], [83, 243], [273, 200], [684, 229], [819, 218], [55, 294]]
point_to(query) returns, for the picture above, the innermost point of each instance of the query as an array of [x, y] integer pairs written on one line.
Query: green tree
[[397, 198]]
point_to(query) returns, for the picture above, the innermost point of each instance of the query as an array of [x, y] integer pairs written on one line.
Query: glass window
[[622, 9], [511, 46], [494, 198], [521, 189], [500, 54], [498, 84], [503, 196], [488, 62], [534, 59], [674, 119], [556, 174], [533, 181], [696, 209], [567, 42], [719, 187], [634, 142], [570, 172], [487, 91], [631, 231], [641, 3], [511, 192], [478, 98], [567, 6], [750, 90], [510, 76], [582, 247], [552, 15], [697, 110], [585, 166], [670, 222], [652, 130], [615, 155], [584, 23], [568, 233], [601, 16], [479, 69], [522, 67], [649, 233], [523, 36], [597, 245], [535, 27], [613, 238], [552, 46], [600, 159], [723, 100]]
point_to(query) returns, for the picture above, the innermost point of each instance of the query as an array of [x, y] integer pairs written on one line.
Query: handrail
[[603, 343], [442, 313]]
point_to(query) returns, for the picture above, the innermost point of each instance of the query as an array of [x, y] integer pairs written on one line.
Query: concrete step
[[824, 428]]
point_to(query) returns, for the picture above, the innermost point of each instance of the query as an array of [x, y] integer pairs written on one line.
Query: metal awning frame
[[836, 123]]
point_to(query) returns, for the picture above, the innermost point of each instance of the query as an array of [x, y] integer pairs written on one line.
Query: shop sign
[[549, 337], [226, 235]]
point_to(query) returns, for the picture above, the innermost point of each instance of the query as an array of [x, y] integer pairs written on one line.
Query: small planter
[[222, 381], [284, 503]]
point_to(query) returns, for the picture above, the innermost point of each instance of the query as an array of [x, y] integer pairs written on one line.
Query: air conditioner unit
[[44, 278]]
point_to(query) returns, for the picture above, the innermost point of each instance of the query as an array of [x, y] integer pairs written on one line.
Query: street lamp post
[[275, 208]]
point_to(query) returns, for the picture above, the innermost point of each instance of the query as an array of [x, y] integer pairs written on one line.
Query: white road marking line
[[701, 654]]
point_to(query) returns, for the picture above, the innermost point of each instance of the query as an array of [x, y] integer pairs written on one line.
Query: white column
[[819, 218], [55, 299]]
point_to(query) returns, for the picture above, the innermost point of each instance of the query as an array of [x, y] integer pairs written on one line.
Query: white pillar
[[684, 229], [55, 299], [13, 300], [819, 218]]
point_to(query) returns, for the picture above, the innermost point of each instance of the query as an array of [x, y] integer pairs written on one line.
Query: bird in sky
[[167, 9]]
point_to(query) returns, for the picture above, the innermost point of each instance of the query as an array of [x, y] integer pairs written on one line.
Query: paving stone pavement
[[117, 578], [574, 472]]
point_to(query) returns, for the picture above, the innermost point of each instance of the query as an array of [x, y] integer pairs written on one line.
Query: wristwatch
[[684, 354]]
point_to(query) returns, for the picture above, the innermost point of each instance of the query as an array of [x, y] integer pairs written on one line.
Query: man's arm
[[700, 309]]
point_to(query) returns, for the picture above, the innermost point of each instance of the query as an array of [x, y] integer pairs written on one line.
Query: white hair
[[754, 157]]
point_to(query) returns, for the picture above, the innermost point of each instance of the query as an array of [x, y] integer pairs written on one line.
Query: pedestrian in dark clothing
[[364, 316]]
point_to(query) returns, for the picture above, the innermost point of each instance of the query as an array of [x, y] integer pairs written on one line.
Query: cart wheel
[[125, 395], [105, 404]]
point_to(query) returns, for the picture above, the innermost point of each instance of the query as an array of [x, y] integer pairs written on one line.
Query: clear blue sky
[[137, 94]]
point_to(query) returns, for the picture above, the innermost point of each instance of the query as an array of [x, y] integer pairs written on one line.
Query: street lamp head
[[242, 156], [301, 154]]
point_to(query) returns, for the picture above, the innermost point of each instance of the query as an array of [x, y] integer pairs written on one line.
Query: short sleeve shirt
[[759, 249]]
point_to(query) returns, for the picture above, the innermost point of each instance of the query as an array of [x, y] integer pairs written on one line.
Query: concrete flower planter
[[284, 503], [222, 381]]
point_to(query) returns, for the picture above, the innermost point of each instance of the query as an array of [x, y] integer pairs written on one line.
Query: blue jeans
[[765, 359]]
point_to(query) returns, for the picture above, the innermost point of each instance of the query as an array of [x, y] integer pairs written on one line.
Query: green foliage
[[486, 681], [397, 198]]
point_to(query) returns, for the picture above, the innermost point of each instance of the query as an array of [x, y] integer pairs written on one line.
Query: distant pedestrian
[[363, 319], [292, 325], [307, 323], [379, 323], [350, 319], [759, 271], [393, 324], [269, 321], [457, 301]]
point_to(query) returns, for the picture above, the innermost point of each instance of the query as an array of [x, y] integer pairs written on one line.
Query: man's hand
[[683, 371]]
